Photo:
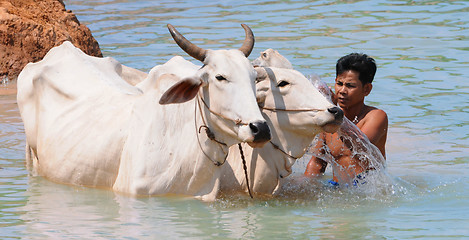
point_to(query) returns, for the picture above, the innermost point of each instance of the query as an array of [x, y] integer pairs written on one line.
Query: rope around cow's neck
[[245, 165], [291, 110], [288, 110], [209, 133], [237, 121], [211, 136], [245, 169], [282, 151]]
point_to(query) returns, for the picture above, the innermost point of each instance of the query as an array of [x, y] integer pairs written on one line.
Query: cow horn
[[248, 44], [188, 47]]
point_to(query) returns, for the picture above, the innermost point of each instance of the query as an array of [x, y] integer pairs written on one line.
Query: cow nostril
[[333, 110], [253, 128], [338, 113], [260, 131]]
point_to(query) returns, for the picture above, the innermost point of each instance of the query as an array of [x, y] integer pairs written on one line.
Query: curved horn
[[248, 44], [188, 47]]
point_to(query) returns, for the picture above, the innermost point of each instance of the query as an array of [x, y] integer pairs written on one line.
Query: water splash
[[358, 143], [374, 184]]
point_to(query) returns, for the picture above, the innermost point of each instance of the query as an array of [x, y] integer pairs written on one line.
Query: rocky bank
[[30, 28]]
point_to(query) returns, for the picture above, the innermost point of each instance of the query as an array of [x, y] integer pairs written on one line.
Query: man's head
[[355, 72], [364, 65]]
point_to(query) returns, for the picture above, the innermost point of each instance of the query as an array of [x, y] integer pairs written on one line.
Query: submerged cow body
[[86, 125], [296, 112]]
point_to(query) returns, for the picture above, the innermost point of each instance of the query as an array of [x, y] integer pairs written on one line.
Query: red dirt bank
[[30, 28]]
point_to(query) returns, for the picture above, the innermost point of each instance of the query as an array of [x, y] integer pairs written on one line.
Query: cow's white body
[[85, 125], [292, 131], [266, 166]]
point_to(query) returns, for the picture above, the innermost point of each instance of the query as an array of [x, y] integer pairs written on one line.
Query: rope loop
[[278, 148], [292, 110], [209, 133], [236, 121]]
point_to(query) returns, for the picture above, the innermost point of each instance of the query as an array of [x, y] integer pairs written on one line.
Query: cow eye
[[283, 83], [264, 54], [220, 78]]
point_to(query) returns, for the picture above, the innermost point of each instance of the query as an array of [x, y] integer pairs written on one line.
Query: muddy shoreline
[[7, 87]]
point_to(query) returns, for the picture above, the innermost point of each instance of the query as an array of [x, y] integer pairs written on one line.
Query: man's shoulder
[[376, 114], [374, 111]]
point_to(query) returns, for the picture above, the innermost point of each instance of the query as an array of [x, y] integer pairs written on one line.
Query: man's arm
[[316, 166], [375, 127]]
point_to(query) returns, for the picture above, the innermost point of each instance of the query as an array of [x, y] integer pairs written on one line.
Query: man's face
[[349, 90]]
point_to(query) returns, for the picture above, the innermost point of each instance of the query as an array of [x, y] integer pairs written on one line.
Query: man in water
[[354, 76]]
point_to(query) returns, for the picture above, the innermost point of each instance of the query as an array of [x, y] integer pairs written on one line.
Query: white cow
[[132, 75], [296, 111], [86, 126], [267, 165], [272, 58]]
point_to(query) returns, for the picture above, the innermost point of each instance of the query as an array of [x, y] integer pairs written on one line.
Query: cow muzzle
[[261, 132], [337, 112], [338, 115]]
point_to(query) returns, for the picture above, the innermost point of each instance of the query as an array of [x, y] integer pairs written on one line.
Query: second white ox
[[86, 126], [296, 112], [272, 58]]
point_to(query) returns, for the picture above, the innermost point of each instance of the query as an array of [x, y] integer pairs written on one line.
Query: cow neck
[[210, 135], [281, 145], [282, 151], [291, 151]]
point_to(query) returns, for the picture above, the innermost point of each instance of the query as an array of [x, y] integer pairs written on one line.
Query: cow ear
[[260, 98], [261, 89], [182, 91], [261, 74]]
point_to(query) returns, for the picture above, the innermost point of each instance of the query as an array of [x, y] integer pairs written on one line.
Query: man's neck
[[355, 113]]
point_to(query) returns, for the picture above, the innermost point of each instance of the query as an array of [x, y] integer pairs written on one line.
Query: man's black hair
[[359, 62]]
